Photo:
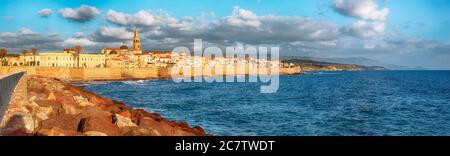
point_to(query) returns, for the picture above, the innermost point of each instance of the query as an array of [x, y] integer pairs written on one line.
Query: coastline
[[50, 107], [121, 74]]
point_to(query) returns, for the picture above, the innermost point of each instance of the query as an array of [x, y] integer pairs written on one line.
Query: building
[[136, 43], [115, 51], [61, 59]]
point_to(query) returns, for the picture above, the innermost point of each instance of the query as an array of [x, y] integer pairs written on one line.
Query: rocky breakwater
[[50, 107]]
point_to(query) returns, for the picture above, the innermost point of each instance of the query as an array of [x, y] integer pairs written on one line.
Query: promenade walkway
[[8, 83]]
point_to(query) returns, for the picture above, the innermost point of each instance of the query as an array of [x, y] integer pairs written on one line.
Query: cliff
[[311, 65], [50, 107]]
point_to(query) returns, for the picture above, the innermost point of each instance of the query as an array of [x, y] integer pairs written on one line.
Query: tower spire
[[136, 34], [136, 42]]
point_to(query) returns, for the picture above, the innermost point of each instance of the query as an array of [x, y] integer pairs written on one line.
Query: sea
[[347, 103]]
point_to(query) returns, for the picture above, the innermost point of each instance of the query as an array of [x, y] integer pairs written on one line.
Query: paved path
[[8, 83]]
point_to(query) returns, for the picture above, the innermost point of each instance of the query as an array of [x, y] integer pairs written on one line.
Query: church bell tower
[[136, 43]]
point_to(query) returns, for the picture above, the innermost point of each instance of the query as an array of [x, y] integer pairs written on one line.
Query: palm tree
[[33, 52], [76, 54]]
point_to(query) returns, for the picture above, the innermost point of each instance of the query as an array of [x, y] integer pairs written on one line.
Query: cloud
[[70, 42], [361, 9], [112, 34], [118, 17], [83, 14], [241, 17], [295, 35], [44, 12], [363, 29], [241, 26], [25, 39], [142, 18], [78, 35]]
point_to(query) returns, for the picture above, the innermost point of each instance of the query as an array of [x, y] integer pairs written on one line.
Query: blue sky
[[418, 24]]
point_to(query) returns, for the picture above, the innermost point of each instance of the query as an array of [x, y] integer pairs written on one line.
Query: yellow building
[[136, 43], [61, 59], [115, 51]]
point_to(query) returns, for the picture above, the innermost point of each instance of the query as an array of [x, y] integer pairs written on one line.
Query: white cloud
[[78, 35], [118, 17], [45, 12], [25, 38], [25, 31], [143, 18], [111, 34], [362, 9], [241, 17], [83, 14], [70, 42], [365, 29]]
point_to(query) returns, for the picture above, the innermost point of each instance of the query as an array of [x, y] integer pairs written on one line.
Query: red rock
[[115, 108], [198, 130], [18, 132], [95, 119], [46, 103], [95, 112], [67, 100], [56, 131], [95, 133], [158, 127], [125, 114], [99, 124], [65, 122], [139, 113], [138, 131]]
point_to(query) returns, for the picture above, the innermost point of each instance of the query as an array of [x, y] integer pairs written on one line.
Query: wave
[[138, 82]]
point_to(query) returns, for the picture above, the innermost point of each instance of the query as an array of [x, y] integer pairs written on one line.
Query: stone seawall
[[111, 74], [87, 74], [8, 85], [50, 107]]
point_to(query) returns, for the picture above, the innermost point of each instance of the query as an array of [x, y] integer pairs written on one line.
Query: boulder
[[56, 131], [158, 127], [80, 100], [46, 110], [140, 113], [46, 103], [69, 100], [125, 114], [95, 112], [99, 124], [14, 132], [41, 116], [19, 120], [64, 121], [138, 131], [51, 96], [94, 133], [70, 109], [122, 121]]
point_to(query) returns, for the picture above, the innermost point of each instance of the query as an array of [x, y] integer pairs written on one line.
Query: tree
[[79, 49], [3, 52], [24, 52], [33, 51]]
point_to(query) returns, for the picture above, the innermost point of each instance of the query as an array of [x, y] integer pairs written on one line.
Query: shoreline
[[51, 107], [114, 74]]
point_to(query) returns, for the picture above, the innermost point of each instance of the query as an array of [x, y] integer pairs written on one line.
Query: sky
[[412, 33]]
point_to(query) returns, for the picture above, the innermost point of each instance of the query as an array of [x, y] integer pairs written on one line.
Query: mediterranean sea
[[318, 103]]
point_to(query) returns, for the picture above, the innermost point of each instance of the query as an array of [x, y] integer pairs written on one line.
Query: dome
[[113, 52], [123, 47]]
